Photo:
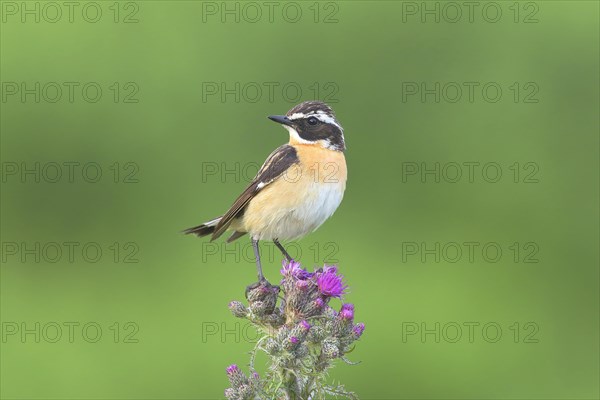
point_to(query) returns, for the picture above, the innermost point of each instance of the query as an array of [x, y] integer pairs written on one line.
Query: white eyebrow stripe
[[297, 116], [320, 115], [327, 119]]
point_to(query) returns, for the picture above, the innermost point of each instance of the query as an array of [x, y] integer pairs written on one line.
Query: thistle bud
[[358, 329], [259, 308], [302, 351], [314, 307], [347, 306], [291, 343], [316, 334], [235, 375], [231, 394], [263, 307], [272, 347], [330, 347], [238, 309], [304, 325], [232, 369], [262, 291], [302, 285], [347, 312], [245, 392], [303, 321], [274, 320]]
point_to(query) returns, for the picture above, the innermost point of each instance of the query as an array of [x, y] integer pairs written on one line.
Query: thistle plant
[[301, 334]]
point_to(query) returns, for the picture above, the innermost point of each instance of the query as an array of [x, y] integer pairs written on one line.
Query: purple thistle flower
[[330, 268], [233, 369], [304, 274], [358, 329], [347, 306], [289, 336], [293, 269], [302, 284], [331, 284], [236, 376], [289, 268], [347, 314], [305, 325]]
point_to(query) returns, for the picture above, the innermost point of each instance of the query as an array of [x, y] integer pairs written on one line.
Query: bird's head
[[313, 123]]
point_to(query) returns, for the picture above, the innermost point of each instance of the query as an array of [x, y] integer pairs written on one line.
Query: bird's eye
[[312, 121]]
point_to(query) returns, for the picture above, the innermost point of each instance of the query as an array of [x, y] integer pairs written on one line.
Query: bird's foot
[[259, 289]]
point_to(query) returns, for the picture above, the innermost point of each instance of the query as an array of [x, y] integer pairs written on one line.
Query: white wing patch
[[213, 222]]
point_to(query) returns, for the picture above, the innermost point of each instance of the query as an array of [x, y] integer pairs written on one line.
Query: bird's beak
[[282, 119]]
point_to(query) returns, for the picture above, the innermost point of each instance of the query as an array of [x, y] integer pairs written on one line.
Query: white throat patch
[[296, 136]]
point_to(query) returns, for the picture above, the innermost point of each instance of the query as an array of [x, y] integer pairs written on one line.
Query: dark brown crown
[[311, 106]]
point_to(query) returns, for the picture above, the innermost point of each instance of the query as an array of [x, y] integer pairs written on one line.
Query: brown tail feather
[[205, 229], [236, 235]]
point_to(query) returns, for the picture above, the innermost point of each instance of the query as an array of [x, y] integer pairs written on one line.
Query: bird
[[299, 186]]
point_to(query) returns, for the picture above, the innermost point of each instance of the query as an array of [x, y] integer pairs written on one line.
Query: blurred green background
[[190, 147]]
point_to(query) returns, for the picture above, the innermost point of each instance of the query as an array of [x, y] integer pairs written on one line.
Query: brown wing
[[276, 164]]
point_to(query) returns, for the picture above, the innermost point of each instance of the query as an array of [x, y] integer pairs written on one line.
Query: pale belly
[[291, 214], [289, 209]]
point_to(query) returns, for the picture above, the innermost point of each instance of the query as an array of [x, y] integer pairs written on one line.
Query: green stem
[[291, 385]]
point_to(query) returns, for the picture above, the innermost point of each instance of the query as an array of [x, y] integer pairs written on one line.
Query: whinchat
[[298, 187]]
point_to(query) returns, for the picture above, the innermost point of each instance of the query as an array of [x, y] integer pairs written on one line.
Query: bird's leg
[[280, 247], [257, 255]]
